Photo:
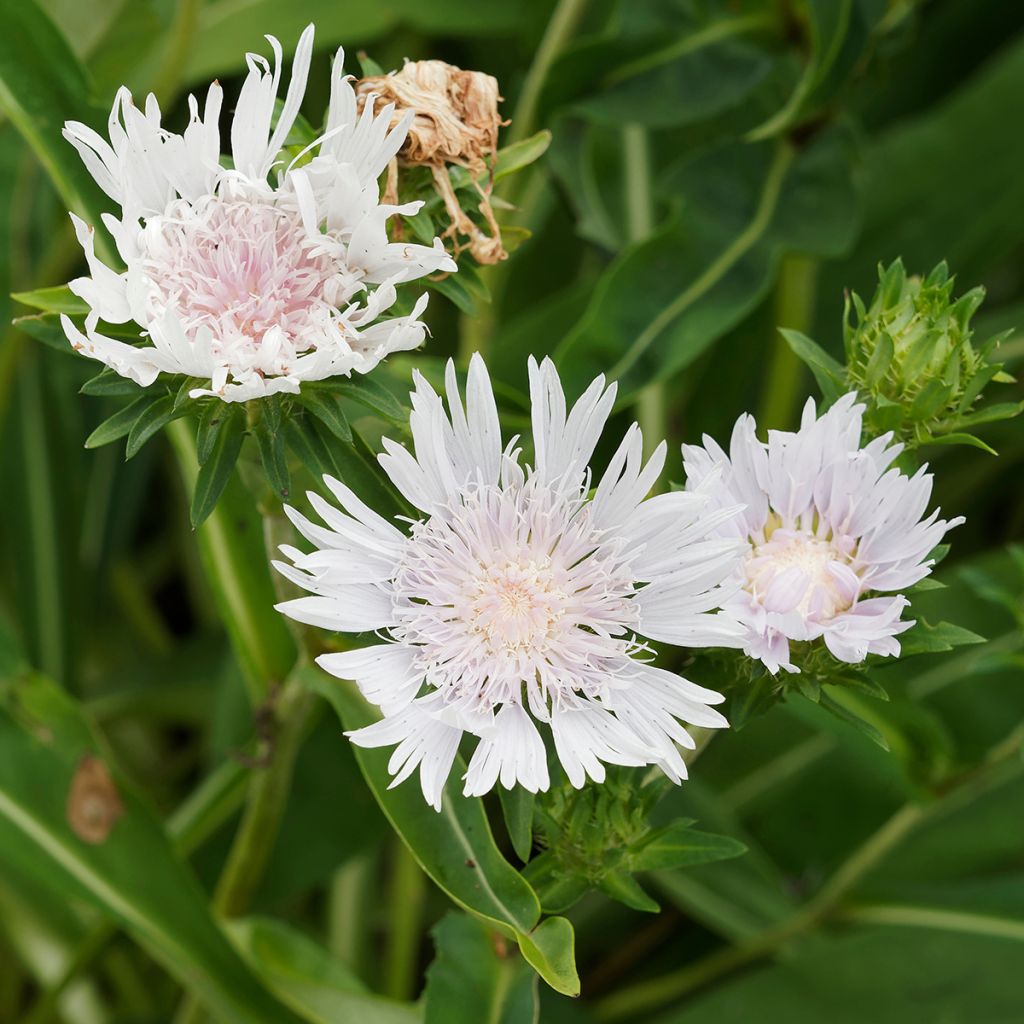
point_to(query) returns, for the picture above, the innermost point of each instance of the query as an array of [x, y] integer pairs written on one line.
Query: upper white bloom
[[827, 524], [255, 283], [518, 597]]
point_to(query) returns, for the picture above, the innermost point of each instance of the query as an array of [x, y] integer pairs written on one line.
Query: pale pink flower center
[[795, 570], [238, 267], [514, 587]]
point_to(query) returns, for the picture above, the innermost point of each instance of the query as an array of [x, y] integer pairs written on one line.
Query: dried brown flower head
[[456, 122]]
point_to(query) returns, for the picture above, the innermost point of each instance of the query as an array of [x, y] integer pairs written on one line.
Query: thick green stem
[[406, 892], [238, 572], [168, 77], [348, 918], [794, 309]]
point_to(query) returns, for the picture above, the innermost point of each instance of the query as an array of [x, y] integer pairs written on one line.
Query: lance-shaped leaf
[[69, 820], [456, 849]]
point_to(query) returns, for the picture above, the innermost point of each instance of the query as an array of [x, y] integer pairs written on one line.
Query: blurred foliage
[[717, 170]]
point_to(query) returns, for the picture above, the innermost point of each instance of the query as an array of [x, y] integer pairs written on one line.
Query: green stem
[[795, 296], [560, 29], [237, 570], [167, 79], [348, 905], [406, 893], [937, 918], [736, 249], [527, 190]]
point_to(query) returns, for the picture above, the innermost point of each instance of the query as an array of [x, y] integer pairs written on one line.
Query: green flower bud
[[910, 354]]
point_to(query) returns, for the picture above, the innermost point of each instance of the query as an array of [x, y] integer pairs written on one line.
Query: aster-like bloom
[[832, 533], [255, 276], [518, 597]]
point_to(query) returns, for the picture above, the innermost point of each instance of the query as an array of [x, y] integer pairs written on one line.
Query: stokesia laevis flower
[[832, 533], [518, 598], [255, 276]]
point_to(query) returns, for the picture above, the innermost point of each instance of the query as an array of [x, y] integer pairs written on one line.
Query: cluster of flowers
[[526, 592]]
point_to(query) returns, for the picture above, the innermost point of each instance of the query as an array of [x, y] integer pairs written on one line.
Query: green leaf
[[122, 422], [367, 391], [665, 300], [624, 888], [155, 417], [58, 299], [521, 154], [327, 409], [551, 949], [517, 808], [924, 638], [215, 472], [455, 847], [827, 372], [866, 973], [848, 715], [306, 978], [476, 978], [109, 383], [42, 85], [213, 415], [272, 454], [748, 700], [678, 845], [110, 850], [962, 439], [828, 21], [991, 414]]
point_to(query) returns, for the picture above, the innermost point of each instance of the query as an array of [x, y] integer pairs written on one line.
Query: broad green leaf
[[969, 440], [456, 849], [664, 301], [306, 978], [109, 383], [105, 845], [477, 977], [270, 442], [215, 472], [42, 85], [827, 22]]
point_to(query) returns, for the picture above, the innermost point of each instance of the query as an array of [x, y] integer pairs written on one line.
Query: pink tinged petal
[[786, 590]]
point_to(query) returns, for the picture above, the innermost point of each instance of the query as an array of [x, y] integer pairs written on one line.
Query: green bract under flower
[[912, 354]]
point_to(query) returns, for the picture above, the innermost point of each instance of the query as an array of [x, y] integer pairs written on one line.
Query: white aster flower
[[518, 597], [832, 533], [255, 276]]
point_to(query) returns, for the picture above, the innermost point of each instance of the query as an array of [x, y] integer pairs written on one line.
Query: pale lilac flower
[[256, 276], [518, 597], [832, 533]]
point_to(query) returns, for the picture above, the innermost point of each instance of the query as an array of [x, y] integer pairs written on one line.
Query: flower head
[[255, 276], [832, 533], [517, 597]]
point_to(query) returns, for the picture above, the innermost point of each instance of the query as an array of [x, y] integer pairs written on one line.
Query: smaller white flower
[[832, 533], [518, 598], [256, 276]]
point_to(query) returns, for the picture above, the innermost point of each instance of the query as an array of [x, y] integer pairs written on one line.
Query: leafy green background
[[717, 170]]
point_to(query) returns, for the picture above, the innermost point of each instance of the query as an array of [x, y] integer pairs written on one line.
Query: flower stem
[[167, 79], [794, 309], [406, 894]]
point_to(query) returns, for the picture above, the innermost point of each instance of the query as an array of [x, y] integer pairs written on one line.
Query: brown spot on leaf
[[94, 804]]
